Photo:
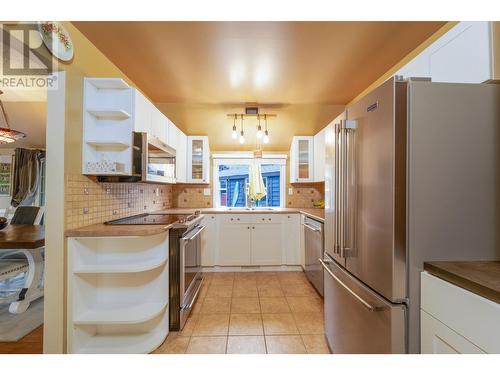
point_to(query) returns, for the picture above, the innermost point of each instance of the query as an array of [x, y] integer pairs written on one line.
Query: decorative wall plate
[[57, 39]]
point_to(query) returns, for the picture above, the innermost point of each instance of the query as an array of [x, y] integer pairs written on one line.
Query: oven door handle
[[187, 239]]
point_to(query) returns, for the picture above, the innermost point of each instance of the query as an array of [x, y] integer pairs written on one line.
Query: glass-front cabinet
[[301, 159], [198, 162]]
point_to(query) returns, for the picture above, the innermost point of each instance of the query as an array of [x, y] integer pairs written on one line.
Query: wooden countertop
[[480, 277], [104, 230], [20, 236], [315, 213]]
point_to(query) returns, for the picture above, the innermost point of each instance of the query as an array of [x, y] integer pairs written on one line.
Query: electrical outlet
[[290, 191], [206, 191]]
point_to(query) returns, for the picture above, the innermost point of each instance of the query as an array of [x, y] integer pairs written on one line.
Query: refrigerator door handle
[[336, 195], [361, 300], [348, 199]]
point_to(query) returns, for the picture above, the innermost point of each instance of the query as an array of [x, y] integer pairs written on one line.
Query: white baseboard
[[252, 268]]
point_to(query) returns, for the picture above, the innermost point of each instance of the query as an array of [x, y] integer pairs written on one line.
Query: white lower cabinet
[[267, 244], [234, 244], [251, 240], [438, 338], [455, 320], [209, 241], [291, 239]]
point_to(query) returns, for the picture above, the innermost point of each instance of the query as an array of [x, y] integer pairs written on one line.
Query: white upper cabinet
[[181, 157], [465, 54], [198, 160], [302, 159], [142, 113], [319, 156], [172, 133], [159, 125]]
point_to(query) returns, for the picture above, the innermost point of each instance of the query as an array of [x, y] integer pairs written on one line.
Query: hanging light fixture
[[7, 135], [266, 133], [234, 134], [242, 137], [259, 129]]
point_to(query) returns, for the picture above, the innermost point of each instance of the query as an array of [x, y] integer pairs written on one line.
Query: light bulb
[[242, 138], [266, 137], [234, 135], [259, 132]]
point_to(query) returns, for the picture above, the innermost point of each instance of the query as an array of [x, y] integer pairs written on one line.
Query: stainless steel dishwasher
[[314, 240]]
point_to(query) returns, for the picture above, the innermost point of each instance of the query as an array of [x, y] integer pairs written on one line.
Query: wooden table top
[[480, 277], [21, 236]]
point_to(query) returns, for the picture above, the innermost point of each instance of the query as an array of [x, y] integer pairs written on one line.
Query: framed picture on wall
[[5, 175]]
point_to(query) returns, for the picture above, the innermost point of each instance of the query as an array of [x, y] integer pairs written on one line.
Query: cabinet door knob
[[269, 219], [263, 219], [248, 227], [253, 227], [238, 219], [232, 219]]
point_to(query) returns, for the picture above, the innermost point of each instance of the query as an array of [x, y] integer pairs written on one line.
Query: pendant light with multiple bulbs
[[7, 135], [262, 134]]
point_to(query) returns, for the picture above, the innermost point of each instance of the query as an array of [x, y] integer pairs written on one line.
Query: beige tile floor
[[252, 313]]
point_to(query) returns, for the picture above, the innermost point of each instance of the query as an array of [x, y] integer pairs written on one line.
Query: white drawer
[[267, 218], [236, 218], [472, 316]]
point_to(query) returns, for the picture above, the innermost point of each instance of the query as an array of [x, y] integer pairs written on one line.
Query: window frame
[[247, 159]]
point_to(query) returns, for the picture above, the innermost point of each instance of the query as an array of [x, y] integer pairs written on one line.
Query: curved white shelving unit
[[145, 265], [118, 293], [109, 339], [118, 315]]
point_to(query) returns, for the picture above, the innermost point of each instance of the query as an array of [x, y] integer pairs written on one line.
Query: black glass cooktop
[[150, 219]]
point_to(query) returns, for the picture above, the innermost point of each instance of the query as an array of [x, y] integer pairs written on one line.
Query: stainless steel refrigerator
[[412, 175]]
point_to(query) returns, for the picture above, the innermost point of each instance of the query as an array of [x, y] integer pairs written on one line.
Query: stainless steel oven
[[185, 271]]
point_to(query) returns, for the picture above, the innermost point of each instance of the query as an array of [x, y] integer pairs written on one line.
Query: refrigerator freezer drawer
[[357, 320]]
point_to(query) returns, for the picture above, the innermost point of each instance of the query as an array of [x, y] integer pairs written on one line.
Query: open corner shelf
[[108, 144], [107, 339], [138, 313], [108, 83], [109, 114], [132, 267]]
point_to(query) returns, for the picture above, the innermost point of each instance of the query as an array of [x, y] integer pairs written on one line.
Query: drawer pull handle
[[350, 291]]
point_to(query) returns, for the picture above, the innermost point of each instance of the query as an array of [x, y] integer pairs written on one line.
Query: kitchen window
[[231, 179]]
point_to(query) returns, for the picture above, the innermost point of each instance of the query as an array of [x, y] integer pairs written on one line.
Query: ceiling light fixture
[[259, 129], [266, 133], [7, 135], [242, 137], [234, 134]]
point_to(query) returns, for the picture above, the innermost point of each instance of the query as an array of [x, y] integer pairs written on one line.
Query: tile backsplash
[[89, 202], [304, 194], [191, 196]]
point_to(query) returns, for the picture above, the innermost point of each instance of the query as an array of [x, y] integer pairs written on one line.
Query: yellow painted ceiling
[[200, 71], [211, 120]]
